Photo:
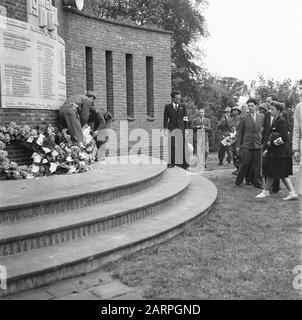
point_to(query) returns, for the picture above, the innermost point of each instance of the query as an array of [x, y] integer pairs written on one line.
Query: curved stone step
[[20, 200], [41, 267], [51, 230]]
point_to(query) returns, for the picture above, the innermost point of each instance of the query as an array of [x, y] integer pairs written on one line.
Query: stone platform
[[59, 227]]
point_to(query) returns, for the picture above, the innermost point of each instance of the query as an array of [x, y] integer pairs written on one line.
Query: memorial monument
[[52, 49], [32, 60]]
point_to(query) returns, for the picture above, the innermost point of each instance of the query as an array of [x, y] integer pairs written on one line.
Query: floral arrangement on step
[[53, 152]]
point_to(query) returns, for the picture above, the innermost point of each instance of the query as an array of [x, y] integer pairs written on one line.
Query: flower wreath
[[53, 152]]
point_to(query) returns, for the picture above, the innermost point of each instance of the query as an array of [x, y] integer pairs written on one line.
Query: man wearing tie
[[249, 144], [175, 123]]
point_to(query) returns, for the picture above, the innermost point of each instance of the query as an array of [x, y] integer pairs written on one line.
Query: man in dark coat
[[175, 123], [74, 114], [249, 144]]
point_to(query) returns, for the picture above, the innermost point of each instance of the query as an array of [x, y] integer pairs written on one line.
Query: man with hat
[[235, 114], [263, 108], [224, 127]]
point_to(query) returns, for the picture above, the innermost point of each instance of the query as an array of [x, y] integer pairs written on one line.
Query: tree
[[286, 91], [178, 16], [215, 94]]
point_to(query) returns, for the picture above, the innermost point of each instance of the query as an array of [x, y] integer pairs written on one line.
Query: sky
[[248, 37]]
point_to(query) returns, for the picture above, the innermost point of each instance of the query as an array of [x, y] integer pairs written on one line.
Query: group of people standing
[[176, 121], [261, 147], [258, 138]]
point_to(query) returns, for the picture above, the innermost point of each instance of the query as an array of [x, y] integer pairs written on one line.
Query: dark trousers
[[250, 166], [276, 185], [221, 153], [176, 151], [235, 156], [68, 119]]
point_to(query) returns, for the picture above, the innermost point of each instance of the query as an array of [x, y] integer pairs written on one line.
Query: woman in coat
[[278, 154]]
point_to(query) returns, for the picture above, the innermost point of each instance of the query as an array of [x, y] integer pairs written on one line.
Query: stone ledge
[[38, 268]]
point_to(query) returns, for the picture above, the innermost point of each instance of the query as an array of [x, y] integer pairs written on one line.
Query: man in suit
[[200, 122], [175, 123], [249, 144]]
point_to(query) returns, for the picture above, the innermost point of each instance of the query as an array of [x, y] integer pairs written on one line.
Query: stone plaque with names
[[32, 66]]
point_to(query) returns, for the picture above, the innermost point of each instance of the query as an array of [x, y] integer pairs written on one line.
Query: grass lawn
[[247, 249]]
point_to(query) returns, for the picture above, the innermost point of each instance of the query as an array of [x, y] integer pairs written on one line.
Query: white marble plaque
[[32, 66]]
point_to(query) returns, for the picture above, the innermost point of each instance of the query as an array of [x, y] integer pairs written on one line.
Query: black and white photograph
[[150, 152]]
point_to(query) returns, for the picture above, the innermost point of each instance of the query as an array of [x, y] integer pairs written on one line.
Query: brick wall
[[80, 31], [16, 9], [121, 40]]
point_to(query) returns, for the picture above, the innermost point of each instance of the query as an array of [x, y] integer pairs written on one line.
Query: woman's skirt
[[278, 168]]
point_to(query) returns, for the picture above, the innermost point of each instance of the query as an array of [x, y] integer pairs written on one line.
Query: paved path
[[97, 285], [94, 286]]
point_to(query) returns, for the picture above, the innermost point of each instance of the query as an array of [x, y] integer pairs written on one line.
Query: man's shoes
[[237, 185], [263, 194], [220, 163], [170, 166], [291, 196], [248, 183]]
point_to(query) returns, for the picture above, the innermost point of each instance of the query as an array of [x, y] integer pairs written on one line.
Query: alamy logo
[[297, 283], [3, 278]]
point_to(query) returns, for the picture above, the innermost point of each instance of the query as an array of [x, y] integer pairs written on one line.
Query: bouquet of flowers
[[53, 152]]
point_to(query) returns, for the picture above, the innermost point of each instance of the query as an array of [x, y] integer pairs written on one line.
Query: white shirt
[[254, 116]]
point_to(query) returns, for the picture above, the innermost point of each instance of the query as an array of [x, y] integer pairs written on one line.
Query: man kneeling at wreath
[[74, 114], [79, 111]]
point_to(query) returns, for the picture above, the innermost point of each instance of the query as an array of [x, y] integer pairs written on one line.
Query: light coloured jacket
[[297, 134]]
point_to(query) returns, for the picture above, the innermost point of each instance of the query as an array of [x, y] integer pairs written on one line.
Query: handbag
[[276, 139]]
